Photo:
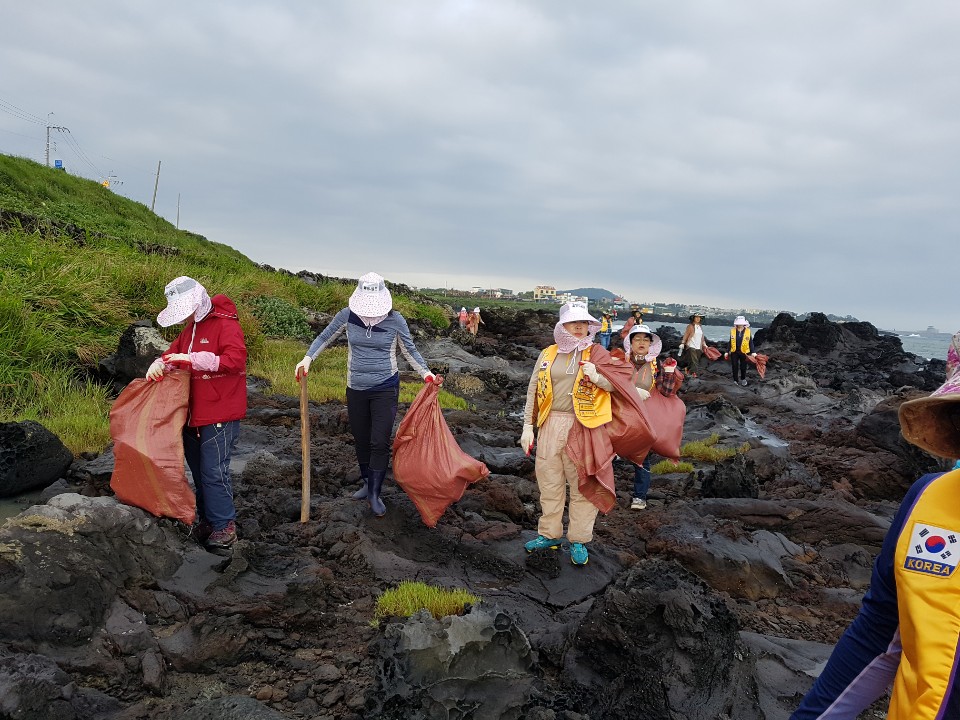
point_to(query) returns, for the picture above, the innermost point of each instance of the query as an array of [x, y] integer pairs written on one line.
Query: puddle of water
[[765, 437], [15, 505]]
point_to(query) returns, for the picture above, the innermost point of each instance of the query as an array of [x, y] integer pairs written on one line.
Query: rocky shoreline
[[718, 601]]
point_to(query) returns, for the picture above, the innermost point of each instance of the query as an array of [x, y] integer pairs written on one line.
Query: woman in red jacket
[[212, 345]]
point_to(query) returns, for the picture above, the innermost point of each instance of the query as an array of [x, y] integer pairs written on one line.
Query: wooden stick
[[305, 448]]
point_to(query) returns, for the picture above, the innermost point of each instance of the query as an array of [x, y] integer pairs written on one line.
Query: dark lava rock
[[30, 457], [731, 479], [232, 707]]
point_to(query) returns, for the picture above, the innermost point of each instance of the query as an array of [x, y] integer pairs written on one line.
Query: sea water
[[926, 346]]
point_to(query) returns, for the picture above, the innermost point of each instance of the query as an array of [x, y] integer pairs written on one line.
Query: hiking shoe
[[579, 554], [201, 531], [638, 504], [224, 538], [743, 383], [541, 543]]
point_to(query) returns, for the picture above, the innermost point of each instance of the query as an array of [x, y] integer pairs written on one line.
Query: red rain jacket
[[216, 396]]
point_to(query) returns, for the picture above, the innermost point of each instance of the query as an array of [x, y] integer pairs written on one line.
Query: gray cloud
[[749, 155]]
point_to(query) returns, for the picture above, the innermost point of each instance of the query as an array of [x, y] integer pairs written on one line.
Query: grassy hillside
[[78, 264]]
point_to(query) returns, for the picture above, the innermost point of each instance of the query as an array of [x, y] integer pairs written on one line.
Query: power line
[[12, 109]]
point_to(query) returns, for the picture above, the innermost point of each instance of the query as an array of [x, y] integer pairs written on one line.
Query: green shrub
[[409, 598], [278, 318]]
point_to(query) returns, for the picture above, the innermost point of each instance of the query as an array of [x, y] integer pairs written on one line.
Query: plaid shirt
[[668, 383]]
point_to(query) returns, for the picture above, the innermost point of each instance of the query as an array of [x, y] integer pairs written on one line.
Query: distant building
[[545, 293], [562, 298]]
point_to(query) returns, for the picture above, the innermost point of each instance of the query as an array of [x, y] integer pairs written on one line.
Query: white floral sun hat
[[184, 297], [741, 320], [371, 298]]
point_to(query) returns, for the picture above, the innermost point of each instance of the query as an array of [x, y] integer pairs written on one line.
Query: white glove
[[156, 370], [177, 357], [753, 355], [526, 438], [644, 394], [681, 349], [590, 371], [303, 365]]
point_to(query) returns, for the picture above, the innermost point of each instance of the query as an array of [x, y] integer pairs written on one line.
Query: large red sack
[[712, 353], [427, 462], [667, 415], [761, 362], [146, 423]]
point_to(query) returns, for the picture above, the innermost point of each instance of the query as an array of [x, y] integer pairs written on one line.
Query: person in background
[[565, 388], [606, 330], [741, 345], [907, 633], [212, 346], [474, 321], [642, 347], [375, 332], [636, 318], [462, 317], [695, 343]]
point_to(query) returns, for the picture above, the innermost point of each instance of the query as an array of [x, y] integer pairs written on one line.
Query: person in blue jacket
[[907, 633], [375, 334]]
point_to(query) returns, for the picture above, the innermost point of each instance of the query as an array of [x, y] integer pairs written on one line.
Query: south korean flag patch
[[932, 550]]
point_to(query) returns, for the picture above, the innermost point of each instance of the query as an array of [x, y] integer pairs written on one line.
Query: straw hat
[[933, 423], [371, 298], [184, 297]]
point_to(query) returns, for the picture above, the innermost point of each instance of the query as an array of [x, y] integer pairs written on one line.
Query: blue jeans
[[605, 340], [641, 479], [207, 449]]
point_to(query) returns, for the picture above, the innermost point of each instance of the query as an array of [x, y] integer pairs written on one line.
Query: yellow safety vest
[[928, 594], [604, 325], [744, 344], [591, 404]]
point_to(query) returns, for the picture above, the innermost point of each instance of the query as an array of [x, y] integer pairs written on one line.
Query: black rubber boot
[[363, 492], [376, 483]]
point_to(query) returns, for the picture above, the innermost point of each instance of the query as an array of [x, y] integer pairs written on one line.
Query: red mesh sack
[[712, 353], [146, 423], [427, 462]]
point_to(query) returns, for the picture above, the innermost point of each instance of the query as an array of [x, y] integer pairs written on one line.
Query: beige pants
[[554, 472]]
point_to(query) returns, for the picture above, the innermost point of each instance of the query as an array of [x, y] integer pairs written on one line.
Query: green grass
[[410, 597], [327, 379], [65, 298], [700, 450], [665, 467], [707, 451]]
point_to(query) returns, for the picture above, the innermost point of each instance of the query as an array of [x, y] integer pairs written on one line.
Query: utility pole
[[49, 128], [155, 184]]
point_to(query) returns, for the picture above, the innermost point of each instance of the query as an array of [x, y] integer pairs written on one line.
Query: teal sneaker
[[541, 543], [579, 554]]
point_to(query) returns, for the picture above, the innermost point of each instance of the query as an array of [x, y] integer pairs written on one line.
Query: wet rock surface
[[719, 601]]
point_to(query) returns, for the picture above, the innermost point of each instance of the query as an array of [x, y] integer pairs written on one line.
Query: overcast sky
[[801, 156]]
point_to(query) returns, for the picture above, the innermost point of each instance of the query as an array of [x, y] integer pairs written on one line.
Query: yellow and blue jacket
[[908, 631]]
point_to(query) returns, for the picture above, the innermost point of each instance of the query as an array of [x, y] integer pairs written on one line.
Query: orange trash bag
[[146, 423], [427, 462]]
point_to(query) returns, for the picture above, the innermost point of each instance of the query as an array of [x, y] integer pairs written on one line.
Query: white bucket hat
[[476, 309], [574, 311], [184, 297], [656, 344], [371, 298], [741, 320]]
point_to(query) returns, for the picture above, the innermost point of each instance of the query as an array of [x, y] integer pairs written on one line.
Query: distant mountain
[[592, 293]]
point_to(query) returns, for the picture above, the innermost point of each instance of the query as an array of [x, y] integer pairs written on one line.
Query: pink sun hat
[[932, 423], [741, 320], [184, 297], [371, 298]]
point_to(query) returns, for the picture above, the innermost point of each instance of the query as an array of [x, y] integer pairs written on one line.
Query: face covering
[[567, 343]]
